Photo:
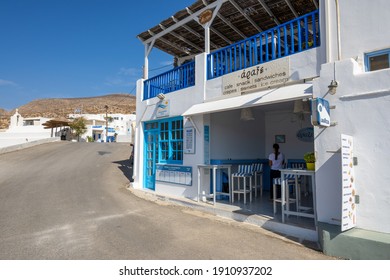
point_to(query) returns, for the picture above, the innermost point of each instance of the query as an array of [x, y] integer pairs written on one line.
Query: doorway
[[151, 154]]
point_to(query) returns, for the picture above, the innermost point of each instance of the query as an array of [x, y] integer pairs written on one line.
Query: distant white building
[[118, 128], [30, 124], [23, 130]]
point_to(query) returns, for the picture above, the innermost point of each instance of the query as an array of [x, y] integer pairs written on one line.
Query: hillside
[[61, 107]]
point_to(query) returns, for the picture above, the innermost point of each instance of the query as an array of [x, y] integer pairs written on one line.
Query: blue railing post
[[178, 78]]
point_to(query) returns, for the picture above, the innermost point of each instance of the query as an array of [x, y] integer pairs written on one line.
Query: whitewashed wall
[[180, 101], [232, 138], [362, 100], [364, 27], [362, 105], [286, 123]]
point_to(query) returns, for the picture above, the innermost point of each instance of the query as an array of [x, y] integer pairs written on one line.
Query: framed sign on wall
[[189, 140], [280, 138]]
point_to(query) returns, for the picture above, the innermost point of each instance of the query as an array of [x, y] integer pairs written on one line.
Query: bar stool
[[289, 200], [296, 183], [244, 172], [258, 174]]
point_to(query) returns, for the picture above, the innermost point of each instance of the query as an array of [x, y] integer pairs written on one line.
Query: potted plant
[[310, 160]]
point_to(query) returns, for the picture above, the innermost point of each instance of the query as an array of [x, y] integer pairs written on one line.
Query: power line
[[169, 65]]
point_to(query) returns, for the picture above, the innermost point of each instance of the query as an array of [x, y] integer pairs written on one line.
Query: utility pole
[[106, 122]]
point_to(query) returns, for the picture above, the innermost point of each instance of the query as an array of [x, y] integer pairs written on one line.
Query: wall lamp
[[161, 96], [332, 87]]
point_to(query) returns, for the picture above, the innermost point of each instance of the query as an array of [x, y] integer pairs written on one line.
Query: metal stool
[[244, 172], [258, 173], [278, 182]]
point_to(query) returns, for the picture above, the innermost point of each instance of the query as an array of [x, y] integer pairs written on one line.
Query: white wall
[[362, 101], [180, 101], [364, 27], [232, 138], [287, 123]]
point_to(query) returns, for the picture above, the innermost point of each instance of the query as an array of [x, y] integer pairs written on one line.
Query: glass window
[[177, 140], [378, 60], [170, 140]]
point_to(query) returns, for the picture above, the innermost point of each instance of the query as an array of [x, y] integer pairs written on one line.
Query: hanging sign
[[320, 112], [205, 16], [348, 215], [163, 109]]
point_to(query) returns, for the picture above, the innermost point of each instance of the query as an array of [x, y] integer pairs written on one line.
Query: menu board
[[206, 151], [181, 175], [348, 219], [189, 140]]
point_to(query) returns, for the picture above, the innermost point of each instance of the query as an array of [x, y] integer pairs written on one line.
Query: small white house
[[23, 130], [114, 128]]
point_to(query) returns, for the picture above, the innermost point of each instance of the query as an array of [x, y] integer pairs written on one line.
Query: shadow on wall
[[329, 189]]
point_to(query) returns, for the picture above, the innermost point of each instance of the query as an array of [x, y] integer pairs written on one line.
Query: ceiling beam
[[268, 10], [182, 38], [315, 3], [184, 21], [227, 22], [189, 29], [180, 48], [245, 15], [212, 29], [291, 8]]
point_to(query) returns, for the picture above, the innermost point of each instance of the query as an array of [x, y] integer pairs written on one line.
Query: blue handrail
[[178, 78], [288, 38]]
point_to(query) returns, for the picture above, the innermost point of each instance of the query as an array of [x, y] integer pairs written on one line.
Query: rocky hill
[[62, 107]]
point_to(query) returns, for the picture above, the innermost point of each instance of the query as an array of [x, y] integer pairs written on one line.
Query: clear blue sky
[[76, 48]]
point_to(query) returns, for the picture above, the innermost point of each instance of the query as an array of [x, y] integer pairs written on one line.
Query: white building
[[120, 127], [23, 130], [250, 72]]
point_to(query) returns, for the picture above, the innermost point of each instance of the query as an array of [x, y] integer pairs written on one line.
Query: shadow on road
[[126, 168]]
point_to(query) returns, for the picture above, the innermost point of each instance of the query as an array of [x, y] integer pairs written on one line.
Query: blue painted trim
[[157, 131], [367, 57]]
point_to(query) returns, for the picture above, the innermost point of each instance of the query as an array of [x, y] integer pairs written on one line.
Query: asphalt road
[[65, 200]]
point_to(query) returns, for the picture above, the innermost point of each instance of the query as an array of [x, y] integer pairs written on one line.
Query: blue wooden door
[[151, 158]]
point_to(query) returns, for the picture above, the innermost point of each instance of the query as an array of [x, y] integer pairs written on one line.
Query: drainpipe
[[329, 33], [328, 39], [338, 30]]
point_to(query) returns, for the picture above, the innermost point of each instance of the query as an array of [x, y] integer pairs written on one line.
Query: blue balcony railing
[[286, 39], [175, 79]]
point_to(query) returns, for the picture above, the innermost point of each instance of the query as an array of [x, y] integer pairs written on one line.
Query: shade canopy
[[266, 97], [56, 123], [183, 36]]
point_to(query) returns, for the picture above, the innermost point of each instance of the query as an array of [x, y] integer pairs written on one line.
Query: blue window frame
[[170, 139], [176, 140], [377, 60]]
